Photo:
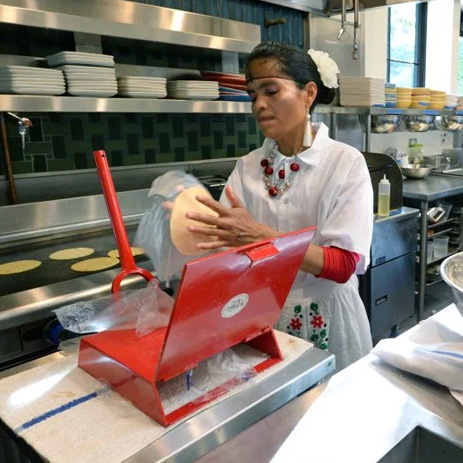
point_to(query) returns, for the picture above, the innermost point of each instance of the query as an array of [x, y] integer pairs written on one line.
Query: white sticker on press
[[235, 305]]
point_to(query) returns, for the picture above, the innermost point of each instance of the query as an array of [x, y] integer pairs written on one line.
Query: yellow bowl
[[419, 105], [438, 92], [404, 90], [421, 91], [436, 106], [403, 104]]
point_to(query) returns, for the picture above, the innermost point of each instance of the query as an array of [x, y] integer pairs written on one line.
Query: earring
[[307, 140]]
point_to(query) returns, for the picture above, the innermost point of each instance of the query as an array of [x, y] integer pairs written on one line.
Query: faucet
[[23, 124]]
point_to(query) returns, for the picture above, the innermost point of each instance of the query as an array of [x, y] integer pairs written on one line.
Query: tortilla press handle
[[120, 233]]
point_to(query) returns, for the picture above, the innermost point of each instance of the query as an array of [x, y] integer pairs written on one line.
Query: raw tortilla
[[135, 252], [18, 266], [184, 240], [71, 253], [95, 264]]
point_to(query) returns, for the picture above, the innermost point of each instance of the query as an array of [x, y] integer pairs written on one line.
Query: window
[[406, 51], [460, 58]]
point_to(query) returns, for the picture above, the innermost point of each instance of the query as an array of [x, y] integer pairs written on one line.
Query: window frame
[[420, 45]]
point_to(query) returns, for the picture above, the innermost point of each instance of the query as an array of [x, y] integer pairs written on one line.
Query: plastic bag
[[143, 310], [153, 233]]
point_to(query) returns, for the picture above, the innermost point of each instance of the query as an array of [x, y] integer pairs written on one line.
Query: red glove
[[339, 264]]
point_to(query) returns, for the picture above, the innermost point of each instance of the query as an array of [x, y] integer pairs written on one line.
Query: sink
[[423, 446]]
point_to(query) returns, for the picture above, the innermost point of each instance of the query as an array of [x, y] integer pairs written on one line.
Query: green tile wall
[[65, 141], [61, 141]]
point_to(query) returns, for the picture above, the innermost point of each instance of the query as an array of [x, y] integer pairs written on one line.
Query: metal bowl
[[451, 271], [385, 123], [450, 123], [419, 123], [415, 170]]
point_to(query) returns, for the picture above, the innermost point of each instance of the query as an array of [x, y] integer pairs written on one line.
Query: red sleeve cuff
[[339, 264]]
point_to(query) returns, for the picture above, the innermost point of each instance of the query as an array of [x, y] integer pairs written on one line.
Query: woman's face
[[278, 105]]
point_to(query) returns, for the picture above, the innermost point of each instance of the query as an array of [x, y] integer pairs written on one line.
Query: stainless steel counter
[[358, 416], [215, 425], [432, 187]]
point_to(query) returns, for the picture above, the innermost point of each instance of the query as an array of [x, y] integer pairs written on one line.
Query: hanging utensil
[[122, 240], [343, 20], [355, 51]]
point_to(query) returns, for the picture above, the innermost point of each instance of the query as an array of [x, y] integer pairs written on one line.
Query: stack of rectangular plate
[[87, 74], [193, 89], [28, 80], [80, 58], [90, 80], [142, 87]]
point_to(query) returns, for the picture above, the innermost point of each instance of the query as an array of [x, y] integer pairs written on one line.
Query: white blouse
[[332, 190]]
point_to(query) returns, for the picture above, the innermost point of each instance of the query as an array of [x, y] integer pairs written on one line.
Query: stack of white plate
[[193, 89], [361, 91], [90, 80], [142, 87], [79, 58], [28, 80]]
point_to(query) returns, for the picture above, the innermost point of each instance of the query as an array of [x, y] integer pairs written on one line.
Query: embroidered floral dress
[[332, 191]]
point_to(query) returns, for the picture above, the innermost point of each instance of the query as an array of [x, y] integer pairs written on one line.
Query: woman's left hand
[[233, 227]]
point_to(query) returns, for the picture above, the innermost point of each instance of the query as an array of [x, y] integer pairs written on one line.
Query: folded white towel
[[434, 350], [67, 415]]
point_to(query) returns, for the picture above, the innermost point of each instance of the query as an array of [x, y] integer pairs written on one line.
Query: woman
[[299, 178]]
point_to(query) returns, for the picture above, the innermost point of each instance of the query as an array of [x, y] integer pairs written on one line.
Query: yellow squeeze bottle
[[384, 197]]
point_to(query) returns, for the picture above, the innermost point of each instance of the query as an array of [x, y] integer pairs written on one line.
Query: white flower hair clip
[[327, 68]]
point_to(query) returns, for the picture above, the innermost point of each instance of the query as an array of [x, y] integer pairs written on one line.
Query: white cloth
[[66, 415], [332, 191], [435, 351]]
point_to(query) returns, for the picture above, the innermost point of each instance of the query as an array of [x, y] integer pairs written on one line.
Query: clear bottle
[[384, 197]]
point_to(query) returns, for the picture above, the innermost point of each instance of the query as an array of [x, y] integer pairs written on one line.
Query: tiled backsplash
[[65, 141]]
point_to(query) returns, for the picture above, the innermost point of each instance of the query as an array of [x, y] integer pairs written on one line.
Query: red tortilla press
[[223, 299]]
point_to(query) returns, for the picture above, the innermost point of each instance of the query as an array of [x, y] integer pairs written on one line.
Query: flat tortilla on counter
[[19, 266], [71, 253], [184, 240], [135, 252], [94, 265]]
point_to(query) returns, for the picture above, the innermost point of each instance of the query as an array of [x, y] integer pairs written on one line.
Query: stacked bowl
[[451, 102], [438, 99], [390, 94], [404, 97], [421, 98]]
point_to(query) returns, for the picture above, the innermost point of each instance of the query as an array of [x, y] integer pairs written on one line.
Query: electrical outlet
[[443, 137], [412, 141]]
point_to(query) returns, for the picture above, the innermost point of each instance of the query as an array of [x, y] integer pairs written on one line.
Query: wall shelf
[[133, 20], [72, 104]]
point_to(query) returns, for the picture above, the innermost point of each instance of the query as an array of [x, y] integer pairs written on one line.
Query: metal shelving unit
[[68, 104]]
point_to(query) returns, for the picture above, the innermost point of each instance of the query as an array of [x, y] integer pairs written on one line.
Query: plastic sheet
[[153, 233], [143, 310]]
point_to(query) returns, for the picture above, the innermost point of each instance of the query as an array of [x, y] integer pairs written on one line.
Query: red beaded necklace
[[282, 184]]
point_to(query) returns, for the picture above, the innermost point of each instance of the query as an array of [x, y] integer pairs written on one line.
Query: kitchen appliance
[[223, 299], [388, 287]]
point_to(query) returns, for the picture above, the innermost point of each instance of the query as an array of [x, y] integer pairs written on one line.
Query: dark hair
[[295, 63]]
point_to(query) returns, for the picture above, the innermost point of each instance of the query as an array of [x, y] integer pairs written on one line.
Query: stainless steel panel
[[10, 344], [65, 216], [37, 304], [392, 295], [422, 446], [118, 18], [394, 238], [71, 184], [69, 104], [323, 36]]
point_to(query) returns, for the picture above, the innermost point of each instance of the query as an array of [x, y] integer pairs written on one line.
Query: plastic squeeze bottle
[[384, 196]]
